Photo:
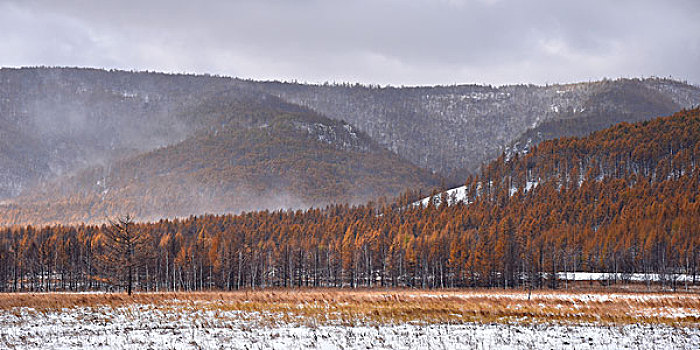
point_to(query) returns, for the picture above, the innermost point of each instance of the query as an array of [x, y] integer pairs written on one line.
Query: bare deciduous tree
[[125, 250]]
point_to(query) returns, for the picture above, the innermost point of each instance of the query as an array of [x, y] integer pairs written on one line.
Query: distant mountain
[[70, 134], [58, 121], [613, 103], [622, 203], [657, 150], [275, 156], [454, 128]]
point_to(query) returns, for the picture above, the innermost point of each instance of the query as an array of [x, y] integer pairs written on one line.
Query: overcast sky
[[397, 42]]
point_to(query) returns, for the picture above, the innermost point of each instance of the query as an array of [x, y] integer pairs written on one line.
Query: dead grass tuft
[[324, 306]]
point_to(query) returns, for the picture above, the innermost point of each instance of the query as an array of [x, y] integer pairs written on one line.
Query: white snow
[[459, 194], [530, 185], [190, 327], [636, 277], [569, 297]]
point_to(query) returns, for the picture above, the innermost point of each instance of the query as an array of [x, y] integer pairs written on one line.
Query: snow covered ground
[[454, 195], [459, 194], [635, 277], [194, 326]]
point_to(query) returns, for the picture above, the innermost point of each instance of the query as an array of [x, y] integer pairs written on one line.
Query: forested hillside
[[456, 129], [633, 101], [263, 155], [58, 122], [624, 200]]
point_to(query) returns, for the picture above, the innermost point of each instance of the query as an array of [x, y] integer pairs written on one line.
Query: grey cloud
[[373, 41]]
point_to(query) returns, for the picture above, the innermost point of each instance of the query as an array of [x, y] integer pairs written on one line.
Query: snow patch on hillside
[[459, 194], [455, 195]]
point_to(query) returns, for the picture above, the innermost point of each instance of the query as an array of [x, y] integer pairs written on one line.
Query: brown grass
[[322, 306]]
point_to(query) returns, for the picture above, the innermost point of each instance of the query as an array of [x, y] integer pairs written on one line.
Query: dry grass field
[[351, 319], [350, 307]]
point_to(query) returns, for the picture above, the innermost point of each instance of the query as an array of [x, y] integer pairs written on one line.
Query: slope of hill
[[621, 202], [656, 150], [283, 157], [56, 123], [624, 101], [67, 119], [460, 127]]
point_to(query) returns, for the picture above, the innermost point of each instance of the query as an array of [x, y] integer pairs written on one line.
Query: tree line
[[621, 201]]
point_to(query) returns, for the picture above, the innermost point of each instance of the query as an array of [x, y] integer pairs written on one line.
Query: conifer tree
[[126, 249]]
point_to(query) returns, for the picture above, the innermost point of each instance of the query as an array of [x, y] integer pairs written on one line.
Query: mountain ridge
[[468, 125], [283, 159], [620, 203], [58, 122]]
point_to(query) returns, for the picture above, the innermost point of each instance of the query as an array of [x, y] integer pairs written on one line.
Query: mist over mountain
[[230, 151], [452, 128], [82, 144], [57, 121]]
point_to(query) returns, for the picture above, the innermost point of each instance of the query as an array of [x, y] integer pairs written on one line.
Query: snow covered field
[[146, 327], [202, 323]]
